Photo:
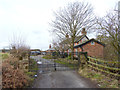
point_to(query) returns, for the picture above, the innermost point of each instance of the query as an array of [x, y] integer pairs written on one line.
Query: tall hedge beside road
[[15, 73], [12, 75]]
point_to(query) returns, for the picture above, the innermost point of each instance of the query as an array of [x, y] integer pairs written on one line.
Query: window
[[75, 50], [92, 43]]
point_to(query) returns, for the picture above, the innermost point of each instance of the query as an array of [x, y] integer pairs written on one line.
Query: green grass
[[4, 55], [47, 57], [33, 65], [71, 65], [65, 61], [31, 78], [31, 74], [103, 80]]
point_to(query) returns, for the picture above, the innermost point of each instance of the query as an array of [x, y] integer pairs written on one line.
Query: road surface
[[60, 79]]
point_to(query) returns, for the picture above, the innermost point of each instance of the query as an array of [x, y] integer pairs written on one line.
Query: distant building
[[35, 51], [50, 49], [4, 50]]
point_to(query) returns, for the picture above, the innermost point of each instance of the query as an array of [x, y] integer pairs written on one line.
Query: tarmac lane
[[60, 79]]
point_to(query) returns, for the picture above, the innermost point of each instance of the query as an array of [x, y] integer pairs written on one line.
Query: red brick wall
[[95, 50], [79, 49]]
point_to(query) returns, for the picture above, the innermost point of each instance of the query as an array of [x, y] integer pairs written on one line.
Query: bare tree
[[56, 45], [108, 27], [71, 19], [18, 46]]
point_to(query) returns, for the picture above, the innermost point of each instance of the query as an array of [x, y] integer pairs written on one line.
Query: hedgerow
[[12, 75]]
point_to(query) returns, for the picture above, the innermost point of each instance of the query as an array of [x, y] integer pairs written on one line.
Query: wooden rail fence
[[109, 67]]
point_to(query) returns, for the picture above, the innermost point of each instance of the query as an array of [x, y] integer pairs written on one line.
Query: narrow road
[[61, 79]]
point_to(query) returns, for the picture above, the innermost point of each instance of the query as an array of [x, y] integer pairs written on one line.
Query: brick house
[[93, 47], [50, 50], [82, 43]]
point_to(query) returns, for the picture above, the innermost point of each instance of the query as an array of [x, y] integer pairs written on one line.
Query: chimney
[[50, 46], [67, 36], [83, 31]]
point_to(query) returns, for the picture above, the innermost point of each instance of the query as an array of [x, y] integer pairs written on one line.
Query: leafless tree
[[108, 27], [18, 46], [71, 19], [61, 47], [56, 45]]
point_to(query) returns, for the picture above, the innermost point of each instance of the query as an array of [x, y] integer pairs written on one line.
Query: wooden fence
[[108, 67]]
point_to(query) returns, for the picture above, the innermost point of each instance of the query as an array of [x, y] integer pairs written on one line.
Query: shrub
[[69, 57], [12, 76]]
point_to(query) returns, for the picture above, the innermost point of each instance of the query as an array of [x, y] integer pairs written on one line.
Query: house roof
[[51, 49], [81, 37], [35, 50], [77, 39], [80, 45]]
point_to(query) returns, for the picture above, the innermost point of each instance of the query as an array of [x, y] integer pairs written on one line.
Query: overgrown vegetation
[[103, 81], [12, 75], [15, 72], [15, 76], [33, 65], [32, 71]]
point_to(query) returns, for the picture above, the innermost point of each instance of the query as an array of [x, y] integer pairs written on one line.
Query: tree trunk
[[72, 48]]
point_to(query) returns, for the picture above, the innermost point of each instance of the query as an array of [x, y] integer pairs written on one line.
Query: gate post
[[86, 57], [54, 65], [29, 61], [79, 59]]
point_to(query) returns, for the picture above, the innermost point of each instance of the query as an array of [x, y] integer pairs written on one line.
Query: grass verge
[[47, 57], [4, 55], [32, 71], [69, 63], [103, 81]]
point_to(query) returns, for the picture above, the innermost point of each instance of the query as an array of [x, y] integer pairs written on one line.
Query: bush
[[65, 54], [12, 76], [69, 57]]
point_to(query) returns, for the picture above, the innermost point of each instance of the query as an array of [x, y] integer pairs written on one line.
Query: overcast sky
[[30, 19]]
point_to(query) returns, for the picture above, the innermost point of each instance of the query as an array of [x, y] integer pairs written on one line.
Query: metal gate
[[57, 61]]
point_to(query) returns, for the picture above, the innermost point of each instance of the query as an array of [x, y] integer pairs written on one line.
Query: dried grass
[[12, 76]]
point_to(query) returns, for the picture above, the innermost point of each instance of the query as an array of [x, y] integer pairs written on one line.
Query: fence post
[[29, 61], [86, 57], [79, 59], [55, 65]]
